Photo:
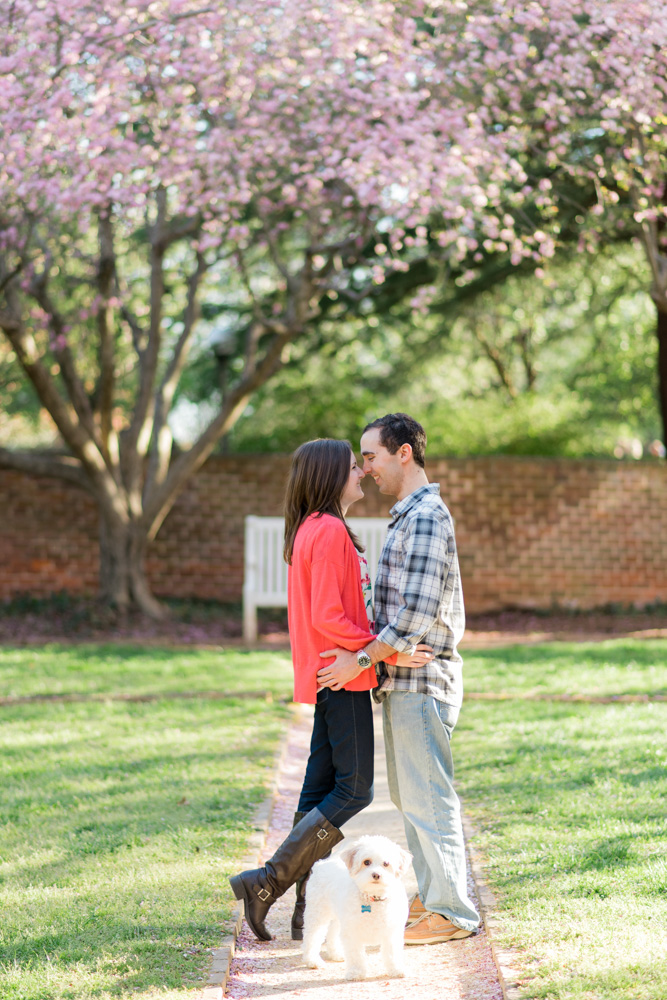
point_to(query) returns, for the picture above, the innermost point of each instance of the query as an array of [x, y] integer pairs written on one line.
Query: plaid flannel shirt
[[419, 598]]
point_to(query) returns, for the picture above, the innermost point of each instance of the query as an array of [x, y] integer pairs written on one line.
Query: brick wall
[[531, 532]]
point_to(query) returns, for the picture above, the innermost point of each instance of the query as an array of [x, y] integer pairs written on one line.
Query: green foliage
[[19, 406], [560, 363], [554, 363]]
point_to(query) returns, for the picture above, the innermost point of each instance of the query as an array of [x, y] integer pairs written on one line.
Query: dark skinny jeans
[[339, 773]]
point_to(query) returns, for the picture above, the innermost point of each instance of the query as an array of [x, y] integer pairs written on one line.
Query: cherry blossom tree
[[579, 89], [166, 162], [160, 154]]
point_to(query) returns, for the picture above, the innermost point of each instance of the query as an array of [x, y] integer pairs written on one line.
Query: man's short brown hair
[[397, 429]]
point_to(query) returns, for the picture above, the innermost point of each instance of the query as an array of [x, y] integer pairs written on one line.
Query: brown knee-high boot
[[300, 905], [311, 838]]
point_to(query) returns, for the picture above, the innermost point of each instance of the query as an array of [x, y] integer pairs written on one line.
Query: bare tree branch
[[245, 277], [107, 377], [61, 351], [496, 358], [162, 437], [275, 257], [137, 332], [44, 464], [140, 430], [10, 275], [188, 462], [179, 230]]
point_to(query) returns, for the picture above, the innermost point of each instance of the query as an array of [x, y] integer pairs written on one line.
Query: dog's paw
[[313, 962], [355, 972], [334, 955], [397, 971]]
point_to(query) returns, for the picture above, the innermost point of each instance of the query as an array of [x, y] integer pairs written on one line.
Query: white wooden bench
[[265, 573]]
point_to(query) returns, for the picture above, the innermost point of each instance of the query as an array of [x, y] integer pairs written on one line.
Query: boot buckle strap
[[263, 894], [322, 834]]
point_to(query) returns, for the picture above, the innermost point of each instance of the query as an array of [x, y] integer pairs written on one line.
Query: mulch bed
[[194, 624]]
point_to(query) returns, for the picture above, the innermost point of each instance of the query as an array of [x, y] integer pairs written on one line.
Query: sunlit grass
[[613, 667], [107, 669], [569, 805], [119, 823]]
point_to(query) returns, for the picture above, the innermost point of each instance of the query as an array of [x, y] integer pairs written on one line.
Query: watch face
[[363, 659]]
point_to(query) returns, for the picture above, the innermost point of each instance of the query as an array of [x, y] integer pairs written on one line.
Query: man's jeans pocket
[[449, 715]]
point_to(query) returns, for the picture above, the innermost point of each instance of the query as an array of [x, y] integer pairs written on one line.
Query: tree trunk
[[123, 581], [661, 330]]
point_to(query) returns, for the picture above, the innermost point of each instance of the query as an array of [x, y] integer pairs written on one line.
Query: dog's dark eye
[[368, 862]]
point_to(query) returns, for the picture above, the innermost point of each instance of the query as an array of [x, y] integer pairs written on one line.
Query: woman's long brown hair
[[319, 473]]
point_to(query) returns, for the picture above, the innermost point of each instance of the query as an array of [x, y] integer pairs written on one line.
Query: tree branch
[[140, 431], [496, 359], [74, 433], [298, 313], [188, 462], [162, 437], [44, 464], [61, 351], [107, 378], [137, 332], [10, 275]]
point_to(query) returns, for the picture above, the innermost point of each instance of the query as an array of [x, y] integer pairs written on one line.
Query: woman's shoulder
[[321, 530], [318, 524]]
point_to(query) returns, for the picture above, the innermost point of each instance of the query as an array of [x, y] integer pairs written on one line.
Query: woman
[[327, 608]]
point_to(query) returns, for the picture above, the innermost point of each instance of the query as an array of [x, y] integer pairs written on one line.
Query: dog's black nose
[[376, 877]]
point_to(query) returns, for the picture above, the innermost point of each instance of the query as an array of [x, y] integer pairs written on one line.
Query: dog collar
[[366, 906]]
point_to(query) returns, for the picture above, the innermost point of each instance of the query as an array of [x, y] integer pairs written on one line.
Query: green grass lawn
[[119, 823], [98, 670], [612, 667], [570, 805]]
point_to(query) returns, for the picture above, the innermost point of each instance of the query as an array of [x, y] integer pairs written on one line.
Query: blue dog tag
[[365, 907]]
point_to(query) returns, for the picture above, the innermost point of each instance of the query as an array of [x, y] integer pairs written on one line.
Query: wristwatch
[[363, 659]]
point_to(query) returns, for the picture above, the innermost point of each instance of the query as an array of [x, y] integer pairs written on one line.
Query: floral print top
[[366, 589]]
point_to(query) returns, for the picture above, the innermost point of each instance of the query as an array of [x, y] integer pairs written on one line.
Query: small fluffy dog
[[356, 899]]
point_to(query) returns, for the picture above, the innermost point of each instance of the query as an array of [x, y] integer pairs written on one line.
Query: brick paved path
[[459, 970]]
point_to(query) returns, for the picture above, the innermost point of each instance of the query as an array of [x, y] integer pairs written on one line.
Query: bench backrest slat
[[265, 576]]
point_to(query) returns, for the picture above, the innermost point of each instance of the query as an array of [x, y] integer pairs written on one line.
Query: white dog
[[356, 899]]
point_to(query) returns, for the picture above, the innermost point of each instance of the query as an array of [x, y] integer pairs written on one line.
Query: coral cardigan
[[325, 603]]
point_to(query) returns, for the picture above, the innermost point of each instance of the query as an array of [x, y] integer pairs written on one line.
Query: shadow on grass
[[611, 852], [139, 849], [130, 963], [119, 826]]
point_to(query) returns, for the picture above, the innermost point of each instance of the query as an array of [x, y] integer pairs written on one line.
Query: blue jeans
[[339, 773], [417, 731]]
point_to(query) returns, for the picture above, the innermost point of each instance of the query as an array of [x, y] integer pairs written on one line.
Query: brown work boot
[[433, 928], [417, 909]]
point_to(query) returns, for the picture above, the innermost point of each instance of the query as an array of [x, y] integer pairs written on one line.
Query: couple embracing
[[409, 661]]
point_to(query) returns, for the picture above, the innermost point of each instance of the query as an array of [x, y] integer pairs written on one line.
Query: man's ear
[[405, 451]]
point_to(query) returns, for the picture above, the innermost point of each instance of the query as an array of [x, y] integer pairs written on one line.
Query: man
[[418, 598]]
